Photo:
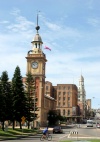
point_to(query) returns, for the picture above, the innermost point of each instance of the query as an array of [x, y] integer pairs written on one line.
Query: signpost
[[23, 119]]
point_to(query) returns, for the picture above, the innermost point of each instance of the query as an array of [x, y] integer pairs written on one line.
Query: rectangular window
[[68, 98], [46, 87], [68, 104], [63, 111], [64, 98], [59, 93], [64, 88], [59, 87], [68, 93], [59, 98], [59, 104], [68, 112], [68, 87], [64, 93]]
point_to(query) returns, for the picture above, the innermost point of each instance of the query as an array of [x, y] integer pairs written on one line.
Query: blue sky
[[71, 28]]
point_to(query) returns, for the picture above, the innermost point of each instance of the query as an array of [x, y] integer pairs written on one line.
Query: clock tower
[[36, 62]]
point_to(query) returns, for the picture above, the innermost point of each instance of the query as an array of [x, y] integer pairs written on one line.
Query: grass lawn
[[95, 140], [10, 133]]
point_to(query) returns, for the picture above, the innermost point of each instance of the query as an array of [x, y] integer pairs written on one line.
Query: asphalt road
[[83, 133]]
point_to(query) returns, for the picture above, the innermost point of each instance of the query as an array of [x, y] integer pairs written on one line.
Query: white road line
[[85, 137], [68, 135], [63, 136]]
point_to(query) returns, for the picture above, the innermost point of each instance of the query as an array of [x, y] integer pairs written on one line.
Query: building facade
[[67, 101], [36, 64], [82, 97], [64, 98]]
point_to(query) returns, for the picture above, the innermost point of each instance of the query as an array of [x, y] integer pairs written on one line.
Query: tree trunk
[[28, 124], [13, 125], [20, 125], [3, 125]]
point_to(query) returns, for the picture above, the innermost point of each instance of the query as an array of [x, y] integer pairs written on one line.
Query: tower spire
[[37, 27]]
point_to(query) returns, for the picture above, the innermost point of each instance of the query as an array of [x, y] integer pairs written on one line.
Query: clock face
[[34, 65]]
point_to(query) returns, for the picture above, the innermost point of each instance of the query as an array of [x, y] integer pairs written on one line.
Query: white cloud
[[72, 50]]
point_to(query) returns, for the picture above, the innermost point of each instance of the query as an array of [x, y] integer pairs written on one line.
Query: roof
[[37, 38]]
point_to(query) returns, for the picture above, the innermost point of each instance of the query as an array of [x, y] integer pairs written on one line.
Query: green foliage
[[19, 98], [15, 100], [53, 117], [30, 90], [5, 98]]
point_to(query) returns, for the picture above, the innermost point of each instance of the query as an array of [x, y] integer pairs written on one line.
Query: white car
[[89, 123]]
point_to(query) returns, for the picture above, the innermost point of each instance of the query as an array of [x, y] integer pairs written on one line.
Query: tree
[[19, 98], [30, 90], [53, 117], [5, 98]]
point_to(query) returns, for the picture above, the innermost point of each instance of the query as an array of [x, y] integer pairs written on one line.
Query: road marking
[[85, 137], [63, 136], [68, 135]]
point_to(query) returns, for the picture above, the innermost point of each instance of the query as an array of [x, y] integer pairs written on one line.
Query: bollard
[[75, 133]]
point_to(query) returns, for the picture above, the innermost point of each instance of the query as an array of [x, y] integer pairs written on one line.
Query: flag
[[47, 48]]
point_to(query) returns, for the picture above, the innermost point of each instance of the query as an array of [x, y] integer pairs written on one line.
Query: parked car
[[57, 129], [84, 121], [89, 123], [98, 125]]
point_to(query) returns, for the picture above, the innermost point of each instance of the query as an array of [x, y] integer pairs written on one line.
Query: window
[[64, 93], [68, 87], [68, 93], [59, 93], [63, 103], [68, 112], [63, 111], [46, 87], [64, 98], [68, 98], [58, 104], [59, 87], [64, 88], [68, 104], [59, 98]]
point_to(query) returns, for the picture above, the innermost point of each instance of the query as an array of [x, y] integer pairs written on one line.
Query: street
[[68, 133]]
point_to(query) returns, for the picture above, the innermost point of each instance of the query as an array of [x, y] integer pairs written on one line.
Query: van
[[89, 123]]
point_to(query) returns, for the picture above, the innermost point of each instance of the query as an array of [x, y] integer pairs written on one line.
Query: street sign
[[23, 120]]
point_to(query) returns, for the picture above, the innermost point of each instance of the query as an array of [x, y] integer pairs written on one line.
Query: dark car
[[57, 129]]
